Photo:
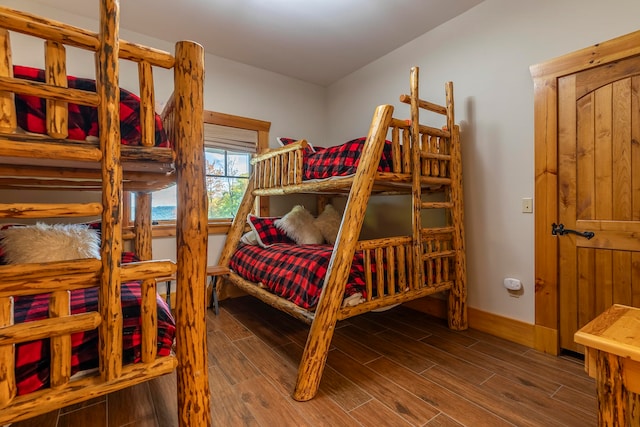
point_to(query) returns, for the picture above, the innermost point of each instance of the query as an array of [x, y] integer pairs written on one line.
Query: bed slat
[[7, 355], [86, 388], [45, 328], [59, 306], [49, 210], [56, 75], [149, 315], [8, 117], [147, 103]]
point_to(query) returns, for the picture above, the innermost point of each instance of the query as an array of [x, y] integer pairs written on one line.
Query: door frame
[[545, 78]]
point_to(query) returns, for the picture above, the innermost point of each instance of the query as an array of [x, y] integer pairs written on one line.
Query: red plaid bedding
[[83, 120], [341, 160], [32, 358], [294, 272]]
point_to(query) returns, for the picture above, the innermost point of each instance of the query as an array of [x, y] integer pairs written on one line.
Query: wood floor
[[398, 368]]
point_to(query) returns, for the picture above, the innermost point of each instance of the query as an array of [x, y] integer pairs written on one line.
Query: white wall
[[487, 52]]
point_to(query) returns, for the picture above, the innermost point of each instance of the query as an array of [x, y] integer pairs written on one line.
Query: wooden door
[[598, 191]]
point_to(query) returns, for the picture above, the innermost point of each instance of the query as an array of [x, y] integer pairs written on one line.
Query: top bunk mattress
[[340, 160]]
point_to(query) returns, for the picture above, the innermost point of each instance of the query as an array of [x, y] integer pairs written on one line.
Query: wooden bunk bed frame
[[425, 159], [39, 161]]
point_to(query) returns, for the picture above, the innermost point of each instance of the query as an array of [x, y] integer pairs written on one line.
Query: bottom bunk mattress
[[33, 358], [296, 272]]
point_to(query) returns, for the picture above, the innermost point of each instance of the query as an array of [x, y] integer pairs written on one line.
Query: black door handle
[[559, 230]]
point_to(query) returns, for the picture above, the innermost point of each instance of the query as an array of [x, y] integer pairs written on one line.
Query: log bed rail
[[279, 170], [42, 162]]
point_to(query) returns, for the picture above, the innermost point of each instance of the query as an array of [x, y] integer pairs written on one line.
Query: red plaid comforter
[[341, 160], [294, 272], [83, 120], [33, 358]]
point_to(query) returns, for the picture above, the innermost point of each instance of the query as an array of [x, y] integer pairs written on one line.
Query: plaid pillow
[[266, 231], [342, 160]]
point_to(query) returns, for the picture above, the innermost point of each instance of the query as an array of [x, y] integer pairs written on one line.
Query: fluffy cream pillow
[[298, 224], [249, 238], [46, 243], [328, 222]]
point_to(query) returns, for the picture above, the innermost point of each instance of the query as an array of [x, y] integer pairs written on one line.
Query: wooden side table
[[212, 296], [612, 357]]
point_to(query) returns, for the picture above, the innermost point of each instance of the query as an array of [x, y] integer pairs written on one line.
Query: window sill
[[168, 229]]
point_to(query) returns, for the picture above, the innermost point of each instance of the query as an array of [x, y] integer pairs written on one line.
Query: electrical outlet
[[527, 205], [512, 284]]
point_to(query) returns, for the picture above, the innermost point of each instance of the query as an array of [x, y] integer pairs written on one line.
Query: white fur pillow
[[46, 243], [328, 222], [298, 224]]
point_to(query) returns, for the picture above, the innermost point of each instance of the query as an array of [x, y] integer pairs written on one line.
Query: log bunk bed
[[55, 160], [431, 260]]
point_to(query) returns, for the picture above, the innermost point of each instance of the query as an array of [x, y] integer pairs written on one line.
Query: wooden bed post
[[191, 239], [457, 313], [317, 347], [142, 243], [107, 67], [8, 118], [142, 225], [416, 184]]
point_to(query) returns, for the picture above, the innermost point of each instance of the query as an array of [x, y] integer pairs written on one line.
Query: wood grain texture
[[142, 242], [457, 316], [37, 26], [613, 349], [107, 68], [57, 117], [59, 306], [191, 237], [593, 69], [100, 167], [7, 356], [49, 210], [147, 104], [316, 350], [8, 117]]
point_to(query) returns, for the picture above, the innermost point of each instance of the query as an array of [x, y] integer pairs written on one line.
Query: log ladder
[[429, 160]]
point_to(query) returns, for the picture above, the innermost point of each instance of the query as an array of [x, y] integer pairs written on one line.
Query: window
[[229, 143], [227, 156]]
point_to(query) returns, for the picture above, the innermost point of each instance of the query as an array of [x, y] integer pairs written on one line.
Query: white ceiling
[[318, 41]]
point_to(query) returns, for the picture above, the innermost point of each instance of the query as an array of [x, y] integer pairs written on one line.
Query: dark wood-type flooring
[[397, 368]]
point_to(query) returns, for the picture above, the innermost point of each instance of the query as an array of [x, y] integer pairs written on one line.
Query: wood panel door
[[598, 191]]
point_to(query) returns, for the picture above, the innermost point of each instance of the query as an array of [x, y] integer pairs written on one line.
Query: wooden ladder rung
[[435, 255], [437, 230], [425, 105], [436, 205], [434, 156]]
